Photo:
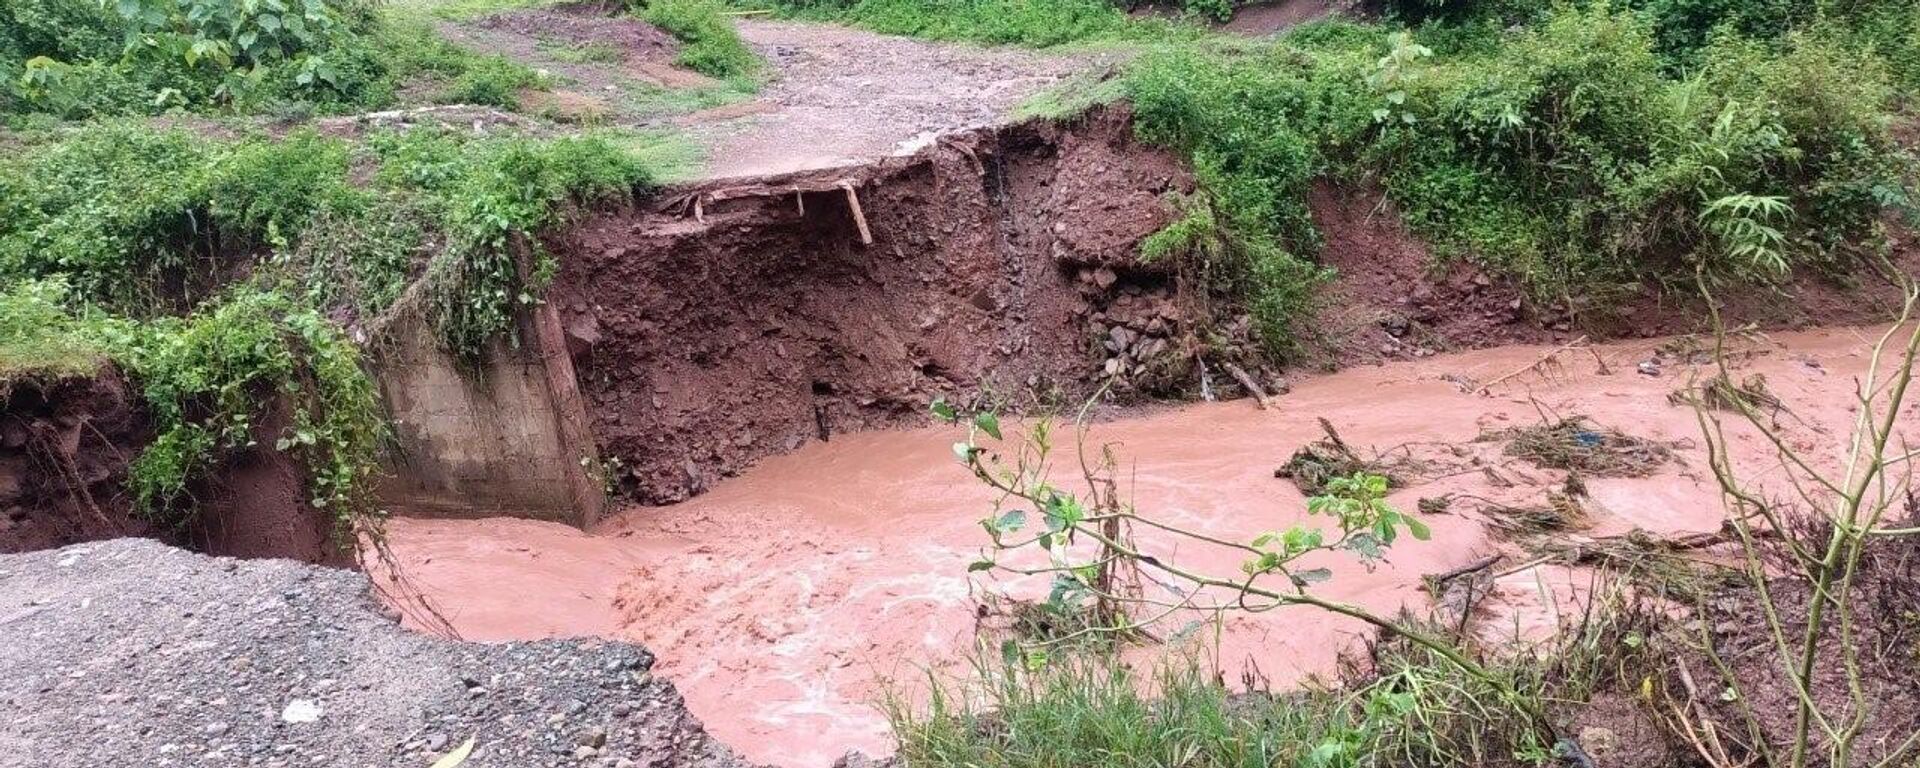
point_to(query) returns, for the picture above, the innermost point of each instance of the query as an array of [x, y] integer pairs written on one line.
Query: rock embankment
[[130, 652]]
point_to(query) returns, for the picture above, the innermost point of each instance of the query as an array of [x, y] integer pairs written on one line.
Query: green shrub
[[270, 189], [112, 206], [710, 44], [209, 379], [1569, 158], [78, 59], [494, 81], [1256, 128], [496, 196]]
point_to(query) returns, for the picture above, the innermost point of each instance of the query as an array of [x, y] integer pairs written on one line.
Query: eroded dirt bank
[[67, 445], [736, 321], [780, 599]]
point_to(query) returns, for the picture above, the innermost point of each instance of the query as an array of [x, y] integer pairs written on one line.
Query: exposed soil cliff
[[66, 446], [744, 319]]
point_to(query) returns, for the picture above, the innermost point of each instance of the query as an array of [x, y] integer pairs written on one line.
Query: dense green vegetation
[[77, 59], [1580, 147], [118, 236]]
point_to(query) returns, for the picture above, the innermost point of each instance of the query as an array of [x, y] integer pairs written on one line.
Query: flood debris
[[1322, 460], [1545, 365], [1560, 510], [1578, 444], [1722, 393]]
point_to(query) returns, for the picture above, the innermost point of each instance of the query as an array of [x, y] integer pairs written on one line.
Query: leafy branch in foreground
[[1086, 545]]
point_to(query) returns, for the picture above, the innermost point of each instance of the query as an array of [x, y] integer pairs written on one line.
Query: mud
[[782, 600], [730, 323], [65, 449], [1885, 642]]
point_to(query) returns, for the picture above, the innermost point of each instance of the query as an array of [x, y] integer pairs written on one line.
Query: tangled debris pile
[[1577, 444]]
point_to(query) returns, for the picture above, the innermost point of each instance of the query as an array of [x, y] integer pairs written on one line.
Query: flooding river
[[783, 600]]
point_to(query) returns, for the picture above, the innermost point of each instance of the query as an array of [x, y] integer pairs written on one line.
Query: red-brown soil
[[736, 322], [1884, 636], [1392, 300], [65, 448]]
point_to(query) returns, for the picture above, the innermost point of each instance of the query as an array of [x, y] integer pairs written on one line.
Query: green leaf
[[988, 423], [980, 565], [1419, 529], [943, 411], [1011, 521]]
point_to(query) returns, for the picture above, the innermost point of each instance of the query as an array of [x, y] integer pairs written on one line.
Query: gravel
[[130, 652]]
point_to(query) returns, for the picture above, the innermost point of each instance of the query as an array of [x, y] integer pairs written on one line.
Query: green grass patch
[[1034, 23], [590, 53], [1077, 708], [459, 10], [711, 46], [39, 337]]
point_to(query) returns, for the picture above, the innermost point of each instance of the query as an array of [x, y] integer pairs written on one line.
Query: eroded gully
[[784, 600]]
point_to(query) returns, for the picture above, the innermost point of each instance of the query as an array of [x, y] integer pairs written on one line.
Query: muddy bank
[[67, 444], [1391, 299], [781, 599], [64, 449], [737, 321]]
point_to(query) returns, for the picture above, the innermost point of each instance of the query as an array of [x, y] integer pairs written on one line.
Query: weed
[[494, 81], [710, 44]]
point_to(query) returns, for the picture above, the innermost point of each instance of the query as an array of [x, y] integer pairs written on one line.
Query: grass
[[710, 45], [459, 10], [1411, 708], [645, 100], [589, 53], [1033, 23], [39, 338]]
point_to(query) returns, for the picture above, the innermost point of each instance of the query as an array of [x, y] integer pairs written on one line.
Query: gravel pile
[[133, 653]]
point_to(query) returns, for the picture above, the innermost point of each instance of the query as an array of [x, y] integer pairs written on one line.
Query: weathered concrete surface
[[474, 443]]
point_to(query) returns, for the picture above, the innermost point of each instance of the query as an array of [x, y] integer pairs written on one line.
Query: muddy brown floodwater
[[782, 600]]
